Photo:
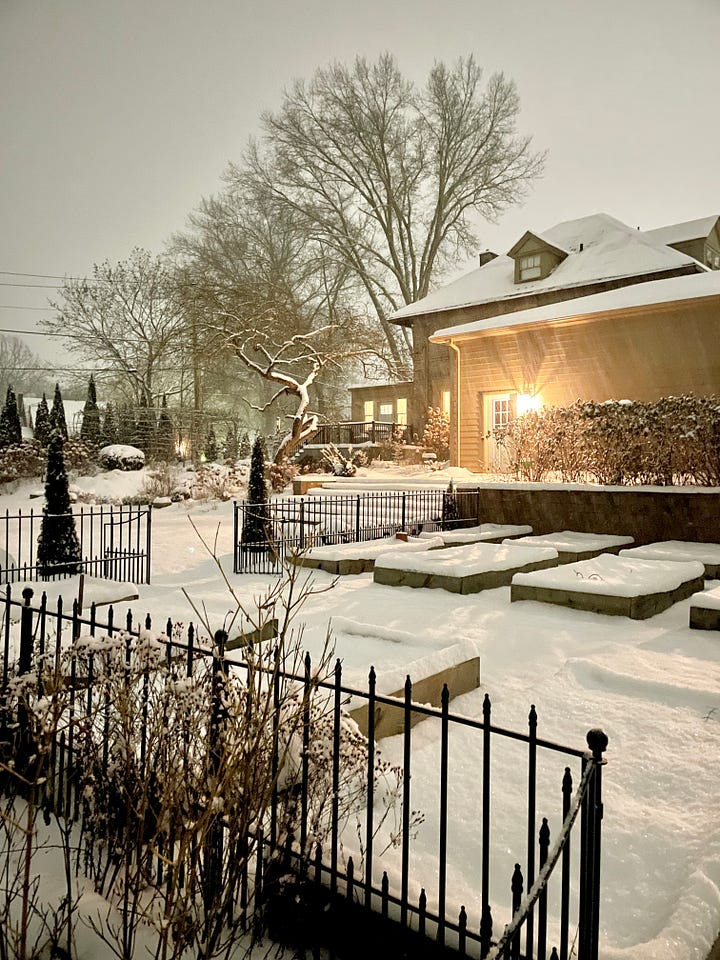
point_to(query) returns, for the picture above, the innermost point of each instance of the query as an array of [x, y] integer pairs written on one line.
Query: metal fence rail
[[357, 903], [115, 542], [351, 433], [266, 534]]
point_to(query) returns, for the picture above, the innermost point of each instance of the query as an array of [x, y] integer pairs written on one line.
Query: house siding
[[641, 355], [431, 361]]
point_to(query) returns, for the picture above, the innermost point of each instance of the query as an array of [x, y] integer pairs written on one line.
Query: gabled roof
[[682, 232], [610, 250], [544, 240], [668, 290]]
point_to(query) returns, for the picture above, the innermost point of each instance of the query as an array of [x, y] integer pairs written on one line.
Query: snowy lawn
[[653, 686]]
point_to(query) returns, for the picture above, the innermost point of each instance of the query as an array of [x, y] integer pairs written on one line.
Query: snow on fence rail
[[265, 534], [115, 543], [380, 900]]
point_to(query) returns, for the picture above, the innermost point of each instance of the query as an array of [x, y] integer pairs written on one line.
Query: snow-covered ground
[[653, 686]]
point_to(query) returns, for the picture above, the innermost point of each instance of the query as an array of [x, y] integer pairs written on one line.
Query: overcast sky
[[117, 116]]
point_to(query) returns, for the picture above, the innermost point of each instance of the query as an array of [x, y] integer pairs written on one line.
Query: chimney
[[486, 256], [581, 248]]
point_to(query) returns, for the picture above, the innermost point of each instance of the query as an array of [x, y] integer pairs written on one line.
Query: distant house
[[584, 258]]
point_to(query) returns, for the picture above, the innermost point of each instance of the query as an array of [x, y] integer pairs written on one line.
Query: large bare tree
[[127, 319], [388, 178]]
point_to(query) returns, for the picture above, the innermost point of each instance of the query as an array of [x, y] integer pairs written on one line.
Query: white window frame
[[401, 416], [385, 410], [530, 267], [369, 411]]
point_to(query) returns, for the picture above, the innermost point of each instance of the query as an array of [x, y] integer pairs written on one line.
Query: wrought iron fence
[[375, 906], [266, 534], [115, 543]]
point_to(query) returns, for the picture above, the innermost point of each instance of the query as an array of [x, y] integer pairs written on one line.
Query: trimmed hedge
[[671, 441]]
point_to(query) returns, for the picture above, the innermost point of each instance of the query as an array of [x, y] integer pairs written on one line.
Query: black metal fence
[[266, 534], [378, 905], [115, 543]]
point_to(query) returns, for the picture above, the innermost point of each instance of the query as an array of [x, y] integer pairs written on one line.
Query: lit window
[[530, 267], [445, 402], [401, 418], [369, 411]]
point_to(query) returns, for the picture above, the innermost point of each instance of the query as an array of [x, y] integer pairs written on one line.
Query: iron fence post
[[148, 544], [236, 545], [214, 844], [357, 519], [302, 523], [597, 741], [24, 741]]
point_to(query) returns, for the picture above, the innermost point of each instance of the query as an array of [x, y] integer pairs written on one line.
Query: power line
[[14, 306], [31, 286]]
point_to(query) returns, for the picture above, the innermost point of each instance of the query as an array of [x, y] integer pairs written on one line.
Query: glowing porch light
[[528, 403]]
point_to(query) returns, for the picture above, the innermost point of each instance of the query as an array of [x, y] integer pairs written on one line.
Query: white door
[[498, 412]]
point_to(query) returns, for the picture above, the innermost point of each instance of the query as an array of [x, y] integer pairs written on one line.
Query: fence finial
[[597, 741], [27, 595]]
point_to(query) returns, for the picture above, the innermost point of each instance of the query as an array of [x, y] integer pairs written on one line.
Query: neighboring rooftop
[[683, 232], [599, 248], [667, 290]]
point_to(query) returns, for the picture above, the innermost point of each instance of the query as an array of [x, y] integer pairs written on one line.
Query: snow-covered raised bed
[[346, 558], [707, 553], [572, 546], [468, 569], [705, 610], [612, 585], [485, 533]]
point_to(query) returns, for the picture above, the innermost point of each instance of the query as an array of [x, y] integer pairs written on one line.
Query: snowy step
[[573, 546]]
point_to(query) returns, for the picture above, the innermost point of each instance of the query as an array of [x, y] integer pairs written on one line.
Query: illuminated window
[[445, 402], [369, 408], [530, 267], [500, 412], [401, 416]]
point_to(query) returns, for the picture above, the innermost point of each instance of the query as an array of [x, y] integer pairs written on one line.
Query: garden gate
[[115, 543]]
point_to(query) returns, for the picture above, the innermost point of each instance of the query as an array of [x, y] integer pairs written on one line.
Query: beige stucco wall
[[640, 355]]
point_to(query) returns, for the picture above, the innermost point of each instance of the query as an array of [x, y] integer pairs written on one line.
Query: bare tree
[[21, 367], [127, 319], [386, 178]]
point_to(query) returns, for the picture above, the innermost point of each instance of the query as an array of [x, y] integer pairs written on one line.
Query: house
[[576, 259]]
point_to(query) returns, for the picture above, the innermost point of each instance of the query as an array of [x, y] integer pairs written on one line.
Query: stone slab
[[704, 619], [464, 584]]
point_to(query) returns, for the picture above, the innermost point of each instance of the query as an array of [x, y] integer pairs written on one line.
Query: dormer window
[[535, 257], [530, 267]]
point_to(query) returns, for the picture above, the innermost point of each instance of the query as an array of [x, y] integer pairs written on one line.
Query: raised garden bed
[[612, 585], [705, 610], [352, 558], [469, 569], [572, 546], [485, 533], [706, 553]]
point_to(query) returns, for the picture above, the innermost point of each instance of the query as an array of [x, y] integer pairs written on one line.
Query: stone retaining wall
[[647, 514]]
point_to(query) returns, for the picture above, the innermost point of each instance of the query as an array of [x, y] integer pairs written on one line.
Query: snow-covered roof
[[682, 232], [610, 250], [667, 290]]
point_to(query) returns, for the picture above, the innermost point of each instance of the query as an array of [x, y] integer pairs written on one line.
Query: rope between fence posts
[[543, 876]]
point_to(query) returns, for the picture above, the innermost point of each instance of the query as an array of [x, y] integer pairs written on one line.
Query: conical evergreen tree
[[231, 443], [90, 429], [10, 429], [57, 413], [126, 424], [244, 447], [43, 427], [21, 411], [58, 550], [211, 447], [165, 441], [109, 432], [144, 436], [255, 518]]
